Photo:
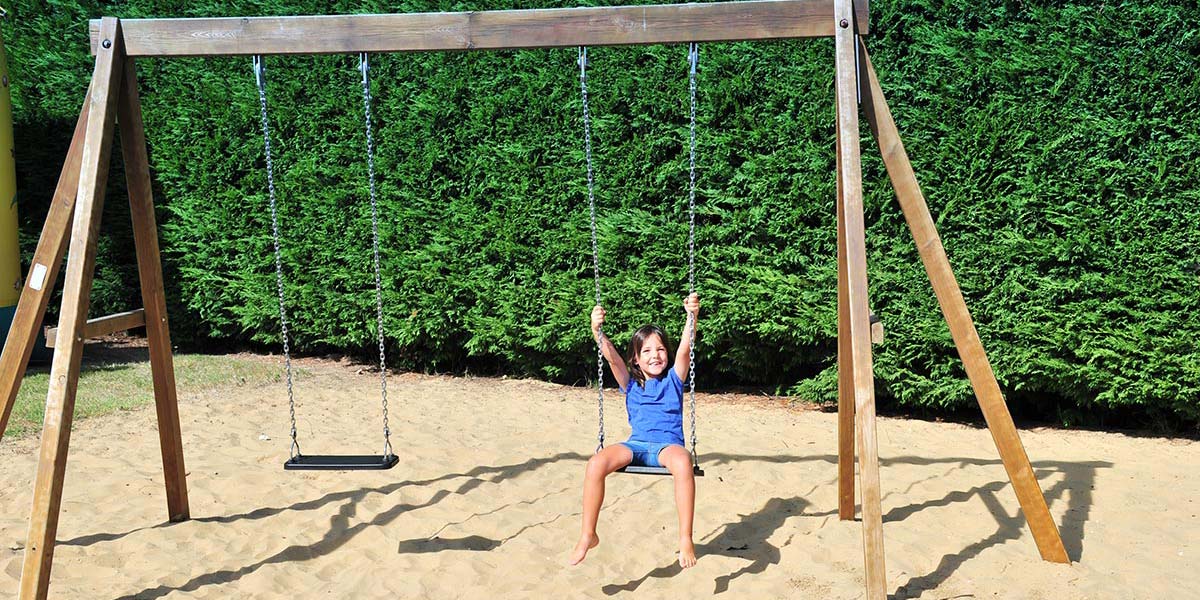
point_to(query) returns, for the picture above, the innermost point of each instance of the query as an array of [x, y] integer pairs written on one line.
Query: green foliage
[[1055, 143]]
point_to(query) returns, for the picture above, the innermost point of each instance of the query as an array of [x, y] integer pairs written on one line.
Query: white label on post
[[38, 277]]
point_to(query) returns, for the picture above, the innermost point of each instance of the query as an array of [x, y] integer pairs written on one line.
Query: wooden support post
[[855, 248], [845, 366], [64, 372], [43, 272], [145, 236], [962, 328]]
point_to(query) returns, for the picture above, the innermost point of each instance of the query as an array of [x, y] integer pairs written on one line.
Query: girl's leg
[[678, 461], [598, 467]]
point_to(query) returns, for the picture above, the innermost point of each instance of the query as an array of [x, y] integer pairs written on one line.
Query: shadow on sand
[[746, 538]]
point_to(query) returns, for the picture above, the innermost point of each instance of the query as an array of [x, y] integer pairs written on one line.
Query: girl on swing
[[653, 390]]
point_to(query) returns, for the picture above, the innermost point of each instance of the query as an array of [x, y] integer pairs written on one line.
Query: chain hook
[[260, 72]]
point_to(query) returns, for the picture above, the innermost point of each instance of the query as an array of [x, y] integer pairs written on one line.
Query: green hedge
[[1056, 144]]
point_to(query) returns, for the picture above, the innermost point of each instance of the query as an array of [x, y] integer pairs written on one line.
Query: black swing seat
[[315, 462], [636, 470]]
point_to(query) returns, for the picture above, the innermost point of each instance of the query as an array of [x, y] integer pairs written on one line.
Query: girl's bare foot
[[581, 549], [687, 553]]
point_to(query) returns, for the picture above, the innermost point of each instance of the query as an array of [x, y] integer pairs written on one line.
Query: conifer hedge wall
[[1057, 143]]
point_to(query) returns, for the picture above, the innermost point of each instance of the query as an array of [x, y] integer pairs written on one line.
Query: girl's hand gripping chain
[[597, 321], [691, 305]]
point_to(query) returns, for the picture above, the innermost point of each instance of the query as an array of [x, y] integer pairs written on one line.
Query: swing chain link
[[693, 59], [364, 66], [591, 186], [260, 77]]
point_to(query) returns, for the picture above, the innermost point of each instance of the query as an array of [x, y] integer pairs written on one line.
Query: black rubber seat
[[696, 470], [315, 462]]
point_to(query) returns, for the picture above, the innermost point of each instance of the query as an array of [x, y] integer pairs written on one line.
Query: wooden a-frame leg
[[77, 286], [962, 328], [145, 236], [855, 248], [43, 272], [845, 369]]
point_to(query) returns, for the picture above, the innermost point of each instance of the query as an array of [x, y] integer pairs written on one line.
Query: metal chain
[[260, 76], [587, 144], [693, 60], [364, 66]]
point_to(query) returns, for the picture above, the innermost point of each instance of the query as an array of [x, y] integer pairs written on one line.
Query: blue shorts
[[645, 454]]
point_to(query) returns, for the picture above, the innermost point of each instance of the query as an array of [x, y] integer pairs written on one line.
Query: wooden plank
[[958, 318], [855, 246], [145, 237], [64, 372], [846, 509], [483, 30], [43, 272], [101, 326]]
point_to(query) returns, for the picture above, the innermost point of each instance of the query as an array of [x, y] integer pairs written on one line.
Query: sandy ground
[[486, 500]]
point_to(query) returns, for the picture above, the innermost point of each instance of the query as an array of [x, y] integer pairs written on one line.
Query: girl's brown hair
[[635, 347]]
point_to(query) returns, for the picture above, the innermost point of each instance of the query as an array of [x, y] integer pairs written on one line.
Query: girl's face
[[652, 357]]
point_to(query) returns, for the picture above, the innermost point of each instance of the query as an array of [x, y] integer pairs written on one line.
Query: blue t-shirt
[[656, 409]]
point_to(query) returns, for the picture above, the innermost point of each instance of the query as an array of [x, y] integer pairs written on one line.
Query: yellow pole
[[10, 252]]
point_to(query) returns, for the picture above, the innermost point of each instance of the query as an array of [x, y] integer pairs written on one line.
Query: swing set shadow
[[745, 539]]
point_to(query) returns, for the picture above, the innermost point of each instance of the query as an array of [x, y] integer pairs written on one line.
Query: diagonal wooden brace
[[958, 318], [43, 272], [145, 237], [77, 285]]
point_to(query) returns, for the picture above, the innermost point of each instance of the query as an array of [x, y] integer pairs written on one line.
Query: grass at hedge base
[[121, 380]]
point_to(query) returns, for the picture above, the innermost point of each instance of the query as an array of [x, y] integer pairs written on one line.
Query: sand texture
[[485, 503]]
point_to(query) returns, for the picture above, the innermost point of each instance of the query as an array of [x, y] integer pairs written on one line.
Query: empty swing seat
[[346, 462], [315, 462], [636, 470]]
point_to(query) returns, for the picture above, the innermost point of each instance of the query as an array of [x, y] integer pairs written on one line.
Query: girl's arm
[[683, 362], [615, 362]]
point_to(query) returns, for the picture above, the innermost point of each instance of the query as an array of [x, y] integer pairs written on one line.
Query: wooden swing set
[[112, 105]]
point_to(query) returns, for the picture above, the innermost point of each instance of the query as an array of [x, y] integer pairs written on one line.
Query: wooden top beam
[[486, 30]]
